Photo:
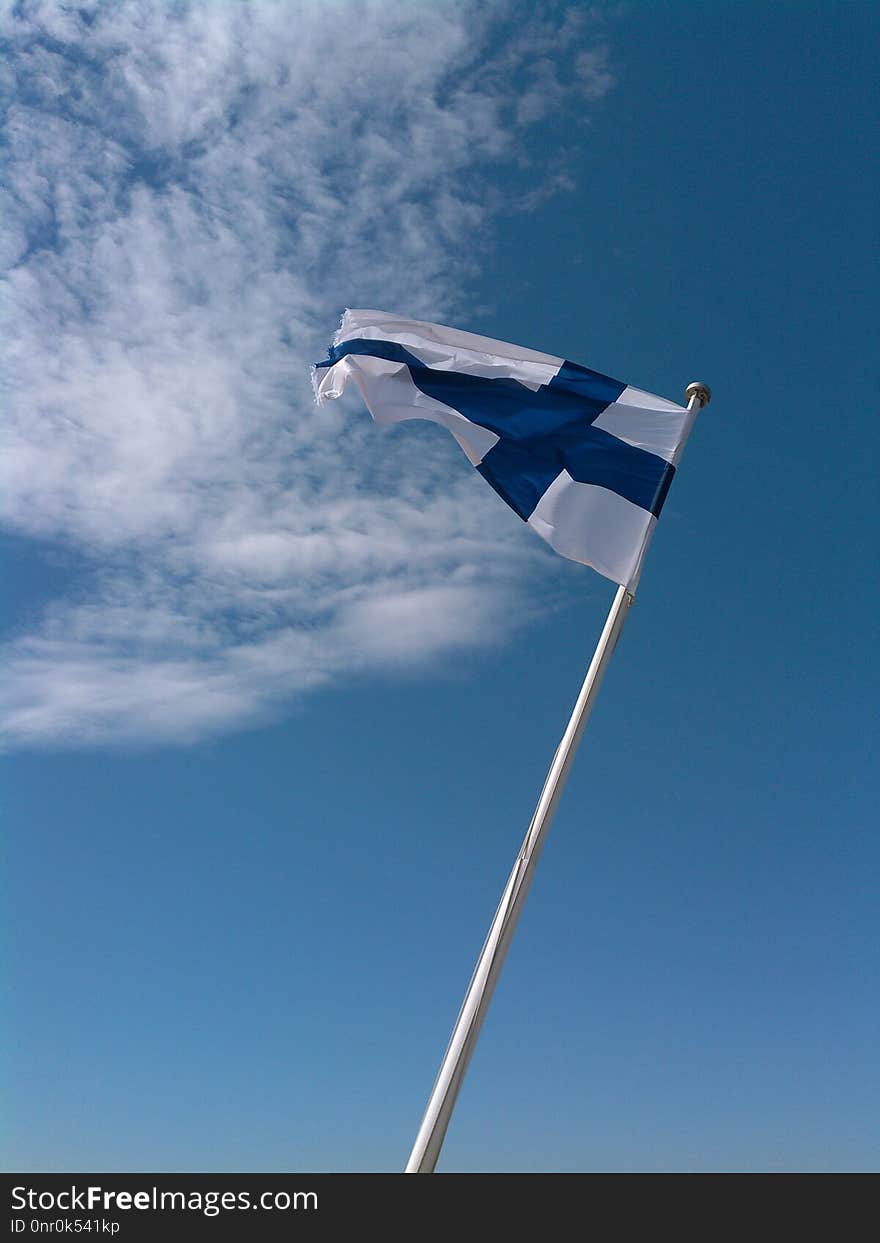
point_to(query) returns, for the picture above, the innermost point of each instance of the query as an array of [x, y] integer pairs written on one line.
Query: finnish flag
[[585, 460]]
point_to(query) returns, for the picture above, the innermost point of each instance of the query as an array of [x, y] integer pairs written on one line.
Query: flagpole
[[441, 1103]]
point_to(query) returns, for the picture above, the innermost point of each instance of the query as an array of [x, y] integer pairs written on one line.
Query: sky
[[281, 686]]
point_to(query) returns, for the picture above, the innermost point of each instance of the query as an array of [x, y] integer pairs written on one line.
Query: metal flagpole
[[441, 1103]]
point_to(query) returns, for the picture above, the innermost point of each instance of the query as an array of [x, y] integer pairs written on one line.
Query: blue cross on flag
[[585, 460]]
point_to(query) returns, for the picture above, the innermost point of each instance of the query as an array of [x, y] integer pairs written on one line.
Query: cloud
[[193, 193]]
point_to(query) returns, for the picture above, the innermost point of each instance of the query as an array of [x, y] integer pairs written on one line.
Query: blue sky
[[281, 687]]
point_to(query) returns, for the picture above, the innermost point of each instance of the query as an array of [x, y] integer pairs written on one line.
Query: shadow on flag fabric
[[585, 460]]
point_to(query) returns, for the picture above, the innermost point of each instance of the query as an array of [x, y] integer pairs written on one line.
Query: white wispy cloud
[[192, 194]]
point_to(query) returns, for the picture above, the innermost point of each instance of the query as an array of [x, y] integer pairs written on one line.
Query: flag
[[585, 460]]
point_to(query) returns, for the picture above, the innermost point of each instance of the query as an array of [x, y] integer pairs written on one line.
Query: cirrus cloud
[[193, 193]]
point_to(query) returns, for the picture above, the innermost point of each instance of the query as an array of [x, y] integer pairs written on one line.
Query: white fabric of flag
[[584, 459]]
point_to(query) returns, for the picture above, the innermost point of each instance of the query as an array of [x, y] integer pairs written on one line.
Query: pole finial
[[701, 391]]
